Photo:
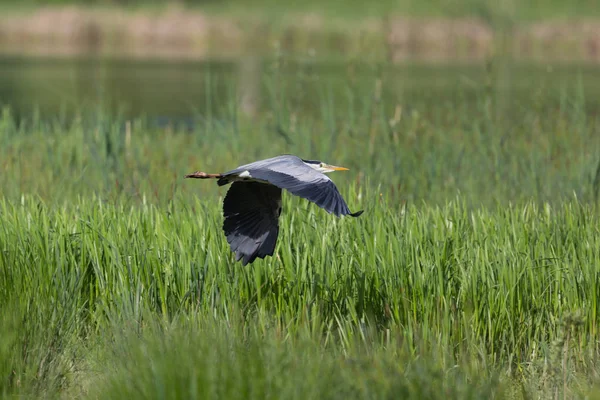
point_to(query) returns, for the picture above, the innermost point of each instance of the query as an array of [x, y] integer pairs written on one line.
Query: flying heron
[[253, 202]]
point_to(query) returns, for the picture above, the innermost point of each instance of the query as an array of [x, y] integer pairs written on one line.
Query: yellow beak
[[335, 168]]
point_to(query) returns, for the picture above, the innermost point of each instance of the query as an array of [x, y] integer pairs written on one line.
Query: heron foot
[[202, 175]]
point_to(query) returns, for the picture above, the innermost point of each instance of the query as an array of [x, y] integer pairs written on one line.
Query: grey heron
[[252, 205]]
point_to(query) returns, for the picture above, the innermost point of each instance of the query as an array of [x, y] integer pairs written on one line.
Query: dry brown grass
[[182, 33]]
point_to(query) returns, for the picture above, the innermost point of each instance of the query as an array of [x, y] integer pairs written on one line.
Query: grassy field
[[110, 301], [473, 272], [352, 9]]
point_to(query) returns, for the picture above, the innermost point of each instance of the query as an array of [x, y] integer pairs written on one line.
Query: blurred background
[[115, 277], [495, 101], [156, 57]]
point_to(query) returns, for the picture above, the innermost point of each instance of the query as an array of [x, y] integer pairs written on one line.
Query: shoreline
[[179, 33]]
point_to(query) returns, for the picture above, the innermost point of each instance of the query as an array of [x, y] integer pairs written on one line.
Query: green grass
[[110, 300], [491, 136], [354, 9], [473, 272]]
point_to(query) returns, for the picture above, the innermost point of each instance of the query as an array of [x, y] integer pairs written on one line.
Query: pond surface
[[183, 90]]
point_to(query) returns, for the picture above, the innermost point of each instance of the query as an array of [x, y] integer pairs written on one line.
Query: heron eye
[[321, 165]]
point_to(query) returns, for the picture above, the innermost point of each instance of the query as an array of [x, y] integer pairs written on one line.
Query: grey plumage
[[253, 203]]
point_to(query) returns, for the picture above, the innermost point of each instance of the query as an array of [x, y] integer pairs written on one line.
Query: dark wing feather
[[251, 211], [313, 186]]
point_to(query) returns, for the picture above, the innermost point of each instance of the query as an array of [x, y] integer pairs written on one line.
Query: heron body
[[252, 205]]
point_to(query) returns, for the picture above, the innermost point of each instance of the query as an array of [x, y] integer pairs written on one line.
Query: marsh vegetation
[[473, 272]]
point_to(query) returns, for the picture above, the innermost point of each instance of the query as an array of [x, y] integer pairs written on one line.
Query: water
[[184, 90]]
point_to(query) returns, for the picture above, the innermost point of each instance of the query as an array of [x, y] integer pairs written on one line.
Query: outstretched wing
[[292, 174], [251, 225]]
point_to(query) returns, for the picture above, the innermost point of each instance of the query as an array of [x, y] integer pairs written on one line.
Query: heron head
[[323, 167]]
